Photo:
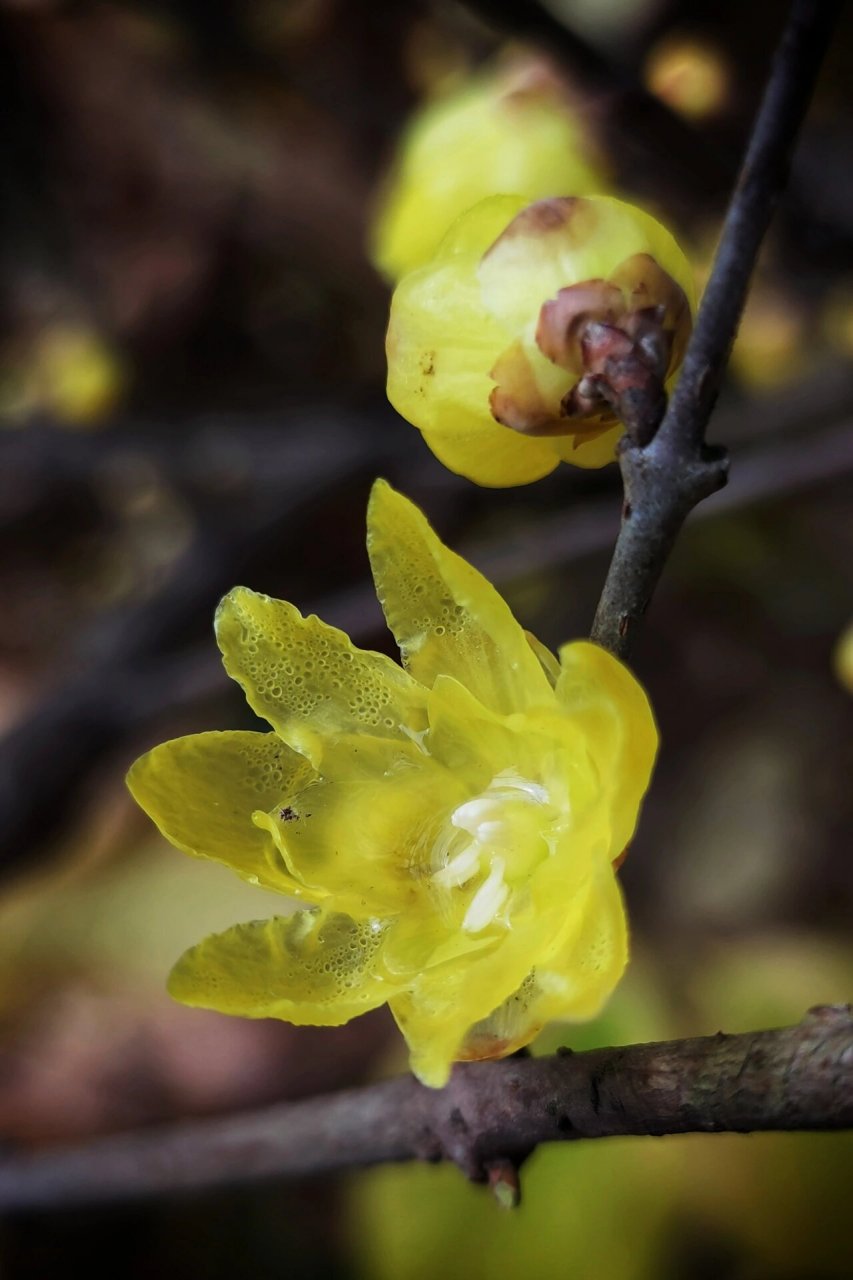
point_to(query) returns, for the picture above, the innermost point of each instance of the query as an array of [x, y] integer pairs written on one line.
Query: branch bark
[[487, 1121], [666, 478]]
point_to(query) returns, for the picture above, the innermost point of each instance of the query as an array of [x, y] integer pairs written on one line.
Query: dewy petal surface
[[457, 830], [313, 968], [447, 618], [203, 789], [308, 679]]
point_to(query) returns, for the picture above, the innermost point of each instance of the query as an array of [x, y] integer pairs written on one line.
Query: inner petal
[[492, 844]]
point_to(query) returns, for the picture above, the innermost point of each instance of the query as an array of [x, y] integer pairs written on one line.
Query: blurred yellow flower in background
[[690, 75], [67, 370], [452, 825], [842, 658], [511, 129], [501, 349]]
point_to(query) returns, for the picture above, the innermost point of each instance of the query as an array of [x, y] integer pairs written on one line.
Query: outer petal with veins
[[452, 825]]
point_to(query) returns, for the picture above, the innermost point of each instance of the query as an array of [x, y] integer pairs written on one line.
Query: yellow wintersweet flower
[[506, 349], [452, 825], [509, 129]]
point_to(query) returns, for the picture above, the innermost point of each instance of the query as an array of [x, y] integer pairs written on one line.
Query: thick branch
[[490, 1116], [666, 478]]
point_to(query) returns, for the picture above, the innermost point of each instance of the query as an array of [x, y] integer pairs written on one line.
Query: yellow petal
[[470, 739], [463, 344], [308, 679], [441, 345], [492, 455], [365, 841], [549, 662], [418, 941], [541, 254], [570, 981], [446, 617], [442, 1003], [592, 450], [509, 129], [566, 919], [576, 982], [312, 968], [202, 790], [603, 698]]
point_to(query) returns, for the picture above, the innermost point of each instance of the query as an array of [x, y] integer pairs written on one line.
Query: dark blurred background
[[192, 395]]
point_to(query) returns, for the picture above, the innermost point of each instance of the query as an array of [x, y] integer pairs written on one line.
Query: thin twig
[[665, 479], [656, 148], [490, 1116]]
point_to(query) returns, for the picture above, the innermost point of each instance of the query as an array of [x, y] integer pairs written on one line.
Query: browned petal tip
[[516, 401], [543, 217]]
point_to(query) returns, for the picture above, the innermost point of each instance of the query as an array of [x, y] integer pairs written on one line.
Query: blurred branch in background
[[130, 671], [658, 146], [194, 180], [490, 1113]]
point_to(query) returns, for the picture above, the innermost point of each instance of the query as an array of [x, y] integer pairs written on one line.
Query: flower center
[[493, 842]]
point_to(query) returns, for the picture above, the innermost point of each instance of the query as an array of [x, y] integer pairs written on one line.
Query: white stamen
[[460, 869], [513, 781], [488, 899], [471, 815]]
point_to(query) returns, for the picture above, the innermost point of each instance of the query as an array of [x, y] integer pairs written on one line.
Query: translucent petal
[[202, 791], [446, 617], [418, 941], [443, 1002], [308, 679], [366, 842], [497, 133], [560, 243], [477, 447], [591, 450], [312, 968], [549, 662], [568, 920], [441, 344], [468, 738], [479, 226], [602, 697], [577, 981], [571, 979]]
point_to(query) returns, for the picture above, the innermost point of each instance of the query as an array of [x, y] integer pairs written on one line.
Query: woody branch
[[489, 1117], [667, 477]]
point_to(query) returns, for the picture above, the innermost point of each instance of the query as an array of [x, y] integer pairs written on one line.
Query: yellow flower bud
[[510, 349], [453, 825], [510, 129], [79, 376]]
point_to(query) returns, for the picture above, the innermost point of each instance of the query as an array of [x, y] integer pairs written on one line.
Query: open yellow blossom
[[506, 350], [509, 129], [451, 826]]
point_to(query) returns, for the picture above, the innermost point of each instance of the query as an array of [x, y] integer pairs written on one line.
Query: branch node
[[669, 471]]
